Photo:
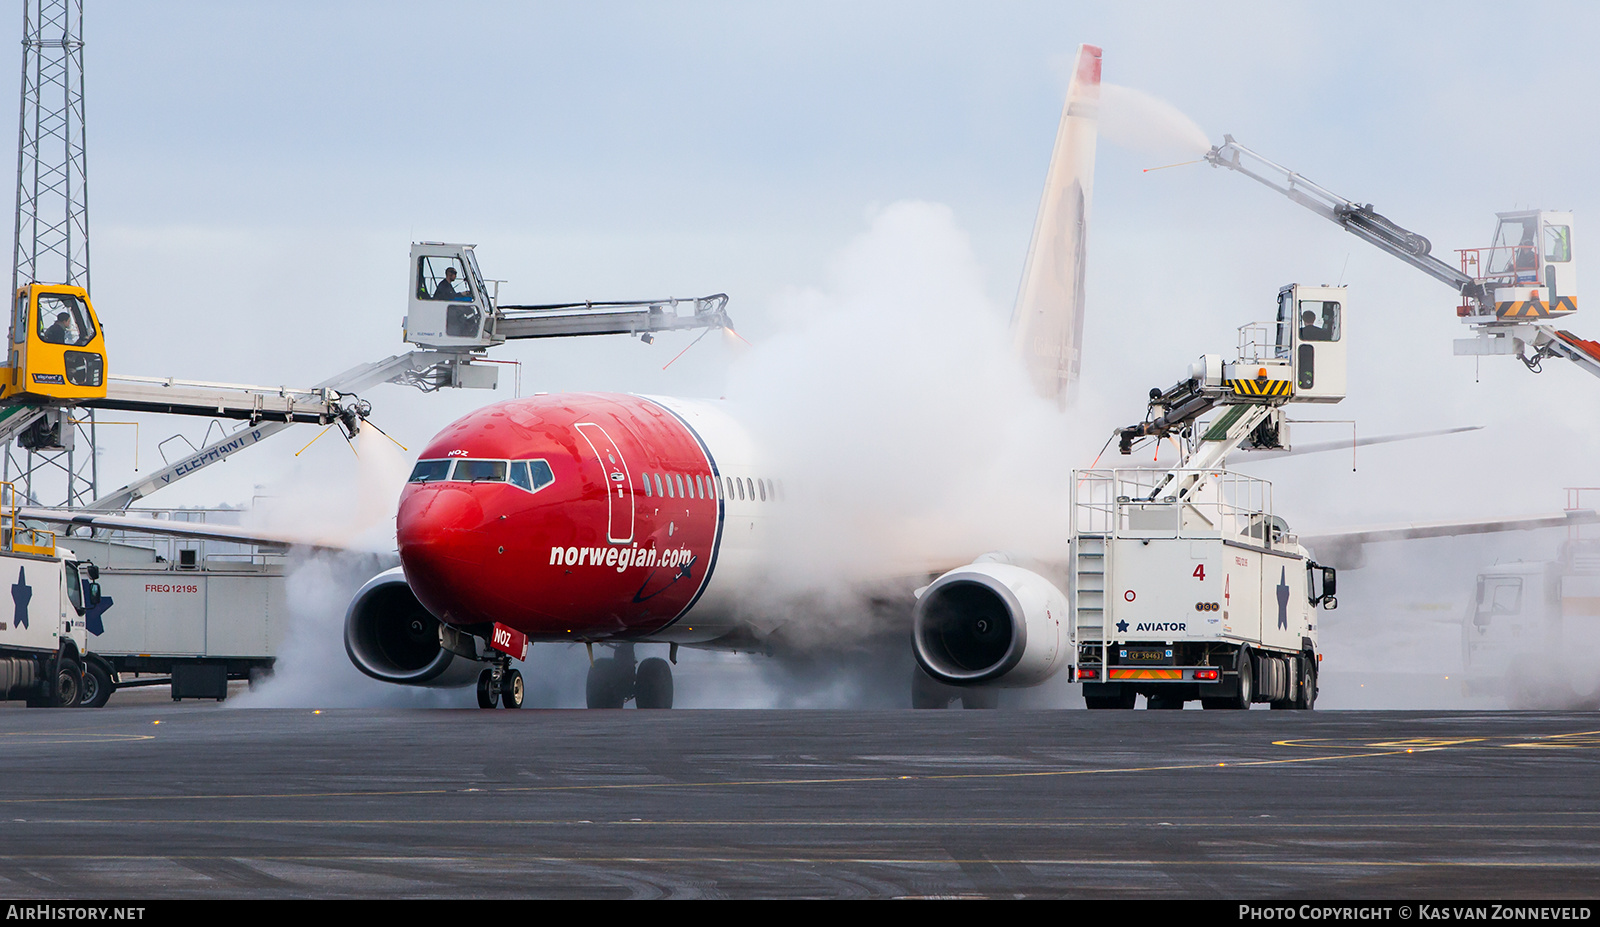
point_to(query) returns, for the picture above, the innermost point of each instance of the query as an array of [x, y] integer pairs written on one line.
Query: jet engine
[[991, 622], [391, 637]]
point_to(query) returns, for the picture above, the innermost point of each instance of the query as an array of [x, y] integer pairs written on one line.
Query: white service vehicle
[[43, 640], [1182, 583], [1531, 629], [1185, 583]]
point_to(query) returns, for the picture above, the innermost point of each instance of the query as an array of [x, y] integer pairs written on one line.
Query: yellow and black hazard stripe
[[1536, 308], [1261, 387]]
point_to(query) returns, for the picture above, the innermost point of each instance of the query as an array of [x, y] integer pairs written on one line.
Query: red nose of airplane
[[444, 540]]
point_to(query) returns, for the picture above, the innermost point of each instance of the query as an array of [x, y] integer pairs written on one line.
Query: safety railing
[[16, 535], [1217, 504]]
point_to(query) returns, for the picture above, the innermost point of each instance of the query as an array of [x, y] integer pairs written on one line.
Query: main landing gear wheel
[[610, 683], [652, 684], [486, 691]]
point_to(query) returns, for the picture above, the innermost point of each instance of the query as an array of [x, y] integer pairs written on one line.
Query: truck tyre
[[1247, 681], [69, 684], [97, 686], [1306, 698]]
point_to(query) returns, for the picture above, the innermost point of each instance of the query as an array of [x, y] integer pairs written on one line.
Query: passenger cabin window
[[659, 490], [430, 471], [645, 479], [1319, 320], [761, 485], [63, 319], [679, 480], [475, 471]]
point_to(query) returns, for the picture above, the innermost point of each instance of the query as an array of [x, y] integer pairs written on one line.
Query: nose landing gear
[[499, 682]]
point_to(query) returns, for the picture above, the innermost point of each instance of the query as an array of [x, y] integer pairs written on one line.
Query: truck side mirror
[[92, 570], [1329, 581], [1330, 603], [91, 593]]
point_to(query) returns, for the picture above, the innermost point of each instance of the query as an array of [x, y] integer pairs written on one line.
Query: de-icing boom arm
[[1360, 221]]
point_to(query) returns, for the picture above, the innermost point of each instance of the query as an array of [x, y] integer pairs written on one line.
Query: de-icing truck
[[44, 655], [1185, 584]]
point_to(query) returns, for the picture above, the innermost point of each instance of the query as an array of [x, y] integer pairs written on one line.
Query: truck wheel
[[1306, 698], [97, 686], [69, 684], [1247, 682]]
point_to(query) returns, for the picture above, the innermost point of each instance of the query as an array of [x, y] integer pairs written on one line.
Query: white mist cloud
[[1137, 121]]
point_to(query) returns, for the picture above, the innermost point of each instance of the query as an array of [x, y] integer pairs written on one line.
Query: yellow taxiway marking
[[14, 738], [1574, 739]]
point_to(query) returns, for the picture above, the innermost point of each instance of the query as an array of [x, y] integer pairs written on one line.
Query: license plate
[[1146, 656]]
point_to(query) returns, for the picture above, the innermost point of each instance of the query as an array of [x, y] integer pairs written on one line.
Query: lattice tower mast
[[52, 221]]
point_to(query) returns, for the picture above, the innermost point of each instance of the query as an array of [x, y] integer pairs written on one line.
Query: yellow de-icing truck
[[57, 350]]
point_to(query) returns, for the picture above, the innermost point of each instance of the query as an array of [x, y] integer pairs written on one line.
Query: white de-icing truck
[[44, 651], [1185, 584]]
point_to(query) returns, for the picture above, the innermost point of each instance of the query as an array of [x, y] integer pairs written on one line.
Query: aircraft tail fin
[[1047, 322]]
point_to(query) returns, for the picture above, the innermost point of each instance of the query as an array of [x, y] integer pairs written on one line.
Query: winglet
[[1047, 323]]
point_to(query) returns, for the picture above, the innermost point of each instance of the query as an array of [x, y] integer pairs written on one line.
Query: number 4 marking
[[1199, 571]]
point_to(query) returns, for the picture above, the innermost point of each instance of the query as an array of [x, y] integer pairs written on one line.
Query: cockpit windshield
[[527, 475]]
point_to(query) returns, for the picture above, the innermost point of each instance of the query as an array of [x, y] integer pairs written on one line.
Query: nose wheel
[[500, 684]]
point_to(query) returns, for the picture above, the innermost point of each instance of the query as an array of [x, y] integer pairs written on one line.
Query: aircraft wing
[[1345, 549], [166, 527]]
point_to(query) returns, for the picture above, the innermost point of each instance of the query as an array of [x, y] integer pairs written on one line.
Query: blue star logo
[[1283, 598], [1122, 627], [21, 594], [91, 618]]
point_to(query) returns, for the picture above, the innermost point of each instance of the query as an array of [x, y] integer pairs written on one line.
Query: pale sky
[[258, 170]]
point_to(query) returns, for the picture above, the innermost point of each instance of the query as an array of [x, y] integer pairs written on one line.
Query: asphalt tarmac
[[199, 800]]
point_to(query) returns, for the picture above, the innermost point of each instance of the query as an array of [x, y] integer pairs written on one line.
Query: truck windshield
[[74, 585]]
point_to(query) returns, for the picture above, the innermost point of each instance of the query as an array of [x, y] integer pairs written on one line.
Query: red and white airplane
[[603, 518]]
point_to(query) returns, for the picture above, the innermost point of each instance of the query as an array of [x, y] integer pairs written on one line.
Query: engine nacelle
[[992, 623], [391, 637]]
